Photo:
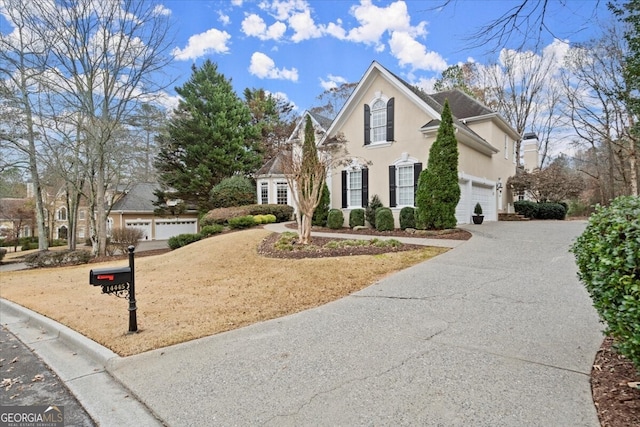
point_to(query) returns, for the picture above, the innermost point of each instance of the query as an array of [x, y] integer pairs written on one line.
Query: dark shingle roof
[[323, 121], [139, 198], [274, 166], [462, 105]]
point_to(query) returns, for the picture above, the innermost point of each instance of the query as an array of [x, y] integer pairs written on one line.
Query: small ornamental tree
[[438, 190]]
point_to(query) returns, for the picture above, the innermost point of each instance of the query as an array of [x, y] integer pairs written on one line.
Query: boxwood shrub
[[545, 210], [356, 218], [181, 240], [282, 213], [384, 219], [57, 258], [335, 219], [526, 208], [407, 218], [210, 230], [608, 257], [246, 221]]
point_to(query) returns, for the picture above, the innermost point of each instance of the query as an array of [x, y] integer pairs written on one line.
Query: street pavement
[[496, 332]]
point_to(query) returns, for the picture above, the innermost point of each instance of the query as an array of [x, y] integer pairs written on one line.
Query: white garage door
[[169, 228], [463, 214], [487, 199], [145, 226]]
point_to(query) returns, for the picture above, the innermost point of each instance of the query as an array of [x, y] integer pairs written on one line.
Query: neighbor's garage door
[[487, 199], [170, 228], [145, 226]]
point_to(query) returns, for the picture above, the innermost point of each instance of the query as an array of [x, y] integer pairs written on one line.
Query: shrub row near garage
[[544, 210], [222, 215], [57, 258], [608, 257]]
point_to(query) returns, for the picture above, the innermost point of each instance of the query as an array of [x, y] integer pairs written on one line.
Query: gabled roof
[[463, 107], [319, 121], [139, 198], [274, 166]]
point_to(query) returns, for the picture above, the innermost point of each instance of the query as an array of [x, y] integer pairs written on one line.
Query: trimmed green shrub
[[384, 219], [477, 210], [551, 211], [335, 219], [181, 240], [246, 221], [545, 210], [3, 252], [282, 213], [608, 258], [57, 258], [233, 191], [356, 218], [407, 218], [210, 230], [258, 219], [525, 207], [370, 210], [322, 211]]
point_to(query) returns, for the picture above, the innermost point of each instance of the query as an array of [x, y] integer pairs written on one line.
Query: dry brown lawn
[[210, 286]]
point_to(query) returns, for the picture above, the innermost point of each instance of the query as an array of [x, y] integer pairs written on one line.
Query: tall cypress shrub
[[438, 190]]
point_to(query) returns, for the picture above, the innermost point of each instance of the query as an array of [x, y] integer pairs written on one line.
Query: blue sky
[[299, 48]]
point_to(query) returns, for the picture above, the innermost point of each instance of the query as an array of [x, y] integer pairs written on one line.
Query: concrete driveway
[[496, 332]]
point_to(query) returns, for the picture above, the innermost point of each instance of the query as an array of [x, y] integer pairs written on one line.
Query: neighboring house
[[16, 218], [390, 126], [271, 183], [134, 208]]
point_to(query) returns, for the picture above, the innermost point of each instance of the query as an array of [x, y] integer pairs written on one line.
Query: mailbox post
[[119, 281]]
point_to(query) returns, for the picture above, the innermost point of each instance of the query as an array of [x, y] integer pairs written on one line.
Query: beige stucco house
[[390, 126]]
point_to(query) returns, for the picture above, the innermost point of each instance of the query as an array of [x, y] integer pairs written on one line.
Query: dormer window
[[378, 121]]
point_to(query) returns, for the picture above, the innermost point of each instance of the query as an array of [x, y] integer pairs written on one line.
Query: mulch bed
[[617, 403], [452, 234]]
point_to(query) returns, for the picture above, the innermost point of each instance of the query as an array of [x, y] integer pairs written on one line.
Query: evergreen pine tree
[[210, 137], [438, 190]]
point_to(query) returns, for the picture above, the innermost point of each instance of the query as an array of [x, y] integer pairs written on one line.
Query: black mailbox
[[110, 276]]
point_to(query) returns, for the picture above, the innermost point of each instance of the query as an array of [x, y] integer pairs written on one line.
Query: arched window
[[62, 214], [378, 121]]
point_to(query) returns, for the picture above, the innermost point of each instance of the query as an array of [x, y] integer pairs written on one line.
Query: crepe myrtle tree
[[306, 173]]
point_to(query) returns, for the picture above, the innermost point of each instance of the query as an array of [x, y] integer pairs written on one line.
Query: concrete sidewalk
[[497, 332]]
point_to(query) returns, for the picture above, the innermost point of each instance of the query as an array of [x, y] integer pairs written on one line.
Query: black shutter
[[344, 189], [365, 187], [367, 125], [392, 186], [390, 108], [417, 168]]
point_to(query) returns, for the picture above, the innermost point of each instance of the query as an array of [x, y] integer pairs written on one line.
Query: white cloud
[[375, 21], [411, 52], [265, 68], [160, 10], [304, 27], [332, 82], [223, 18], [254, 26], [211, 41], [283, 9]]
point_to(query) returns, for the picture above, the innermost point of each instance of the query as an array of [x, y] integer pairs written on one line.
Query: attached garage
[[166, 229], [144, 225], [475, 190]]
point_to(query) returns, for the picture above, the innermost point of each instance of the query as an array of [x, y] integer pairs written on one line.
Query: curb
[[82, 365]]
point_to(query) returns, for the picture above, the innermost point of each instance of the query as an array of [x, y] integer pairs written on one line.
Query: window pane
[[281, 193], [264, 193], [405, 185], [379, 121], [355, 188]]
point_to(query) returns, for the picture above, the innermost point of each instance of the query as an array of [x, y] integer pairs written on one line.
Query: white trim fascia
[[476, 180], [502, 123]]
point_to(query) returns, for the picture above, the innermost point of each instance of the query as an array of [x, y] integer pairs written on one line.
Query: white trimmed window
[[62, 214], [379, 121], [405, 191], [282, 192], [506, 147], [81, 215], [354, 188], [264, 193]]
